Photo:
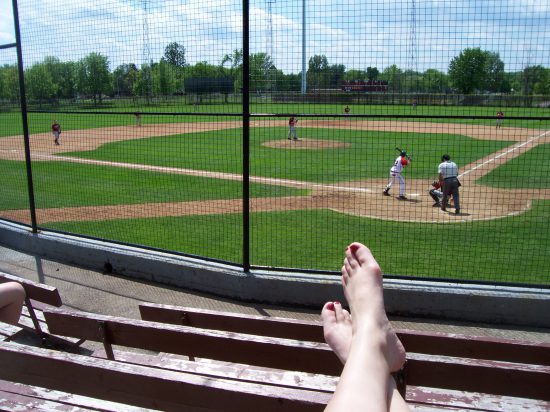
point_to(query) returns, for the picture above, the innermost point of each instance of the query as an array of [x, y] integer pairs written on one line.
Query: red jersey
[[292, 121], [56, 127]]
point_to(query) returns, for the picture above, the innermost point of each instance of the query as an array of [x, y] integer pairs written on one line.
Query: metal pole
[[24, 114], [304, 73], [246, 137]]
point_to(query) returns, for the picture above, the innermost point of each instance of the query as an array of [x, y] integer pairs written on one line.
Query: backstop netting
[[271, 134]]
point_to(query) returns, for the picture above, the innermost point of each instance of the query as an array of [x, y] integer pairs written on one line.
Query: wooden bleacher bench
[[436, 343], [39, 297], [261, 351], [472, 368], [144, 386], [20, 397]]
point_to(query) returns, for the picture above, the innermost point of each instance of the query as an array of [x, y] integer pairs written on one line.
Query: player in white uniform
[[395, 174]]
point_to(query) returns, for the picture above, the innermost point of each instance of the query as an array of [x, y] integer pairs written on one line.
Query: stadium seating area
[[182, 358]]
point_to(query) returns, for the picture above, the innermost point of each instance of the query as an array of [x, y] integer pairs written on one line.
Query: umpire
[[448, 174]]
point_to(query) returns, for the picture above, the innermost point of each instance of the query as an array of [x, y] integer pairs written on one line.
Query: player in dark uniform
[[56, 131]]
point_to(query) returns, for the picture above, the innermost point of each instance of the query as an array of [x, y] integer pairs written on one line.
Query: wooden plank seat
[[264, 351], [20, 397], [145, 386], [435, 360], [436, 343], [35, 292], [8, 332]]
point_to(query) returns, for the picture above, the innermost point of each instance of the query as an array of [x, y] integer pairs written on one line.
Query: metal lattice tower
[[269, 42], [146, 51], [269, 45], [412, 54]]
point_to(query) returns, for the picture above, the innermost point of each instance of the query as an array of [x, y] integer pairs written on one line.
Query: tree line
[[472, 71]]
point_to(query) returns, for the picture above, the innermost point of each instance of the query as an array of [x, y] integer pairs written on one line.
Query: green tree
[[494, 74], [124, 77], [235, 61], [543, 85], [372, 73], [204, 69], [174, 54], [93, 77], [336, 75], [9, 83], [394, 76], [262, 72], [478, 70], [288, 82], [318, 72], [63, 75], [533, 79], [39, 83], [164, 79], [434, 81], [353, 74], [143, 86]]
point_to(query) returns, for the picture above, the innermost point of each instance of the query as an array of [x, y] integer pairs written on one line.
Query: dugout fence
[[218, 169]]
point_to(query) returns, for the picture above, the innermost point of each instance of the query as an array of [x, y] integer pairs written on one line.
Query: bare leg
[[12, 297], [375, 350], [338, 334]]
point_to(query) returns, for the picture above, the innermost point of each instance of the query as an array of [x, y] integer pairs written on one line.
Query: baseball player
[[436, 192], [347, 110], [56, 131], [395, 174], [292, 122], [500, 116]]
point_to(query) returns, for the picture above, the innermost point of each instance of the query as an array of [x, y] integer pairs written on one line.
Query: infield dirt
[[359, 198]]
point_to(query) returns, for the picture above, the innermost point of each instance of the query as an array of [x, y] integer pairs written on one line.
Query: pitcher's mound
[[305, 144]]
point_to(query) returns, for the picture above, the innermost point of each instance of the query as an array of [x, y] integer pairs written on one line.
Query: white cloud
[[355, 33]]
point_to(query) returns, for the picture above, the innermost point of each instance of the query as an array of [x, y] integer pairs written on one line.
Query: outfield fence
[[263, 133]]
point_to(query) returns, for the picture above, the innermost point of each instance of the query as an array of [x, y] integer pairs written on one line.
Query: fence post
[[246, 137], [24, 114]]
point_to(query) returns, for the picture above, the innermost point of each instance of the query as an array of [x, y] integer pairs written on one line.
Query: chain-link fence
[[273, 133]]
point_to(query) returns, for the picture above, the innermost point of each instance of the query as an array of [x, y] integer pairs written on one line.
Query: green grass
[[59, 184], [531, 170], [370, 155], [40, 122], [316, 240]]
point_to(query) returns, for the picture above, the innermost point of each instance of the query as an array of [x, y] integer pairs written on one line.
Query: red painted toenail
[[336, 302], [330, 306], [354, 248]]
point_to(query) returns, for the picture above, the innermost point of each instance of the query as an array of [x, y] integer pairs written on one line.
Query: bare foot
[[362, 282], [337, 329]]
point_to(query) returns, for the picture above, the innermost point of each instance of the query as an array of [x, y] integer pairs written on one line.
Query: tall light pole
[[304, 73]]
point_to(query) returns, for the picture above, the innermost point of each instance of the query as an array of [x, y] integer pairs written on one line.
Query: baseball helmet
[[403, 153]]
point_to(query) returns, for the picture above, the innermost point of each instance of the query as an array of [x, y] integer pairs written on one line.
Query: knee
[[14, 292]]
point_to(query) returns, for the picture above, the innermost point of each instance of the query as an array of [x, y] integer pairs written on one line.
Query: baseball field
[[175, 183]]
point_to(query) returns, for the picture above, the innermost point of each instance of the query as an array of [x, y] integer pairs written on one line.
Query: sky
[[413, 34]]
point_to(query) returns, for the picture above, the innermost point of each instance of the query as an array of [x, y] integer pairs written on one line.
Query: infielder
[[395, 174], [56, 131], [500, 117], [292, 122]]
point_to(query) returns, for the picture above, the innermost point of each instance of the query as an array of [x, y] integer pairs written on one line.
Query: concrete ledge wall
[[452, 301]]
